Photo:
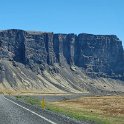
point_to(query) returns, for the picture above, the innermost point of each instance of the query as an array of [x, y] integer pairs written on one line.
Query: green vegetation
[[101, 110], [17, 97], [1, 92], [78, 115], [29, 100]]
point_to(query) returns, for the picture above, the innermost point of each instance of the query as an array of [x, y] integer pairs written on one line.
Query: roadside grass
[[1, 92], [100, 110], [78, 115], [29, 100]]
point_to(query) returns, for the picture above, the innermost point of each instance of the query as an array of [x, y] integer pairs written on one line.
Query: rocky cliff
[[97, 56]]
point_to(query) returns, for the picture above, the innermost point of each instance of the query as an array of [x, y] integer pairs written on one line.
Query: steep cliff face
[[100, 54], [96, 55], [64, 48], [12, 45]]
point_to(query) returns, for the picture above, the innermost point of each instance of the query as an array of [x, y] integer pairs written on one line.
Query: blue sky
[[64, 16]]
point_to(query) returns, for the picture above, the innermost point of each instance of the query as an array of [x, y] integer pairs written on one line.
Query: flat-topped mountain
[[50, 62]]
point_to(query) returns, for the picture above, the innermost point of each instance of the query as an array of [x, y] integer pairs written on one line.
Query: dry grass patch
[[110, 105], [101, 109], [109, 108]]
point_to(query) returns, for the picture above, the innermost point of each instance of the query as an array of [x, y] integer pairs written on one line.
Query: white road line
[[31, 111]]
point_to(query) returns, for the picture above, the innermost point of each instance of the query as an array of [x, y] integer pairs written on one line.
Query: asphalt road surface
[[13, 112]]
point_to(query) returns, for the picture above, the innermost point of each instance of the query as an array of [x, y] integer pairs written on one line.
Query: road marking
[[31, 111]]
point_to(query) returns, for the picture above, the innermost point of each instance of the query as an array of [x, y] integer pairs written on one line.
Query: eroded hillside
[[47, 62]]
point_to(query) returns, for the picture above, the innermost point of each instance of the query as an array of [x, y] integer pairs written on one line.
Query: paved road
[[13, 112]]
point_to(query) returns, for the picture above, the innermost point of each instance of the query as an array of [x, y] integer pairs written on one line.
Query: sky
[[64, 16]]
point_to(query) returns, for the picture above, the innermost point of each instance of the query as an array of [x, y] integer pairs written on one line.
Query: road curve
[[12, 112]]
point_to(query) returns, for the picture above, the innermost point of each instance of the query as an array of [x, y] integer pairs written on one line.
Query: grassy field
[[101, 109]]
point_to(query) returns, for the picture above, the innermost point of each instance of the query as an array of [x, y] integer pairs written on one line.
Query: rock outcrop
[[100, 55], [96, 55]]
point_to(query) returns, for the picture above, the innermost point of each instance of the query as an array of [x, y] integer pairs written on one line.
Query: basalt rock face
[[12, 45], [96, 55], [101, 55]]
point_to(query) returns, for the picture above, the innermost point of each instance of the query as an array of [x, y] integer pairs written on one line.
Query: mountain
[[48, 62]]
